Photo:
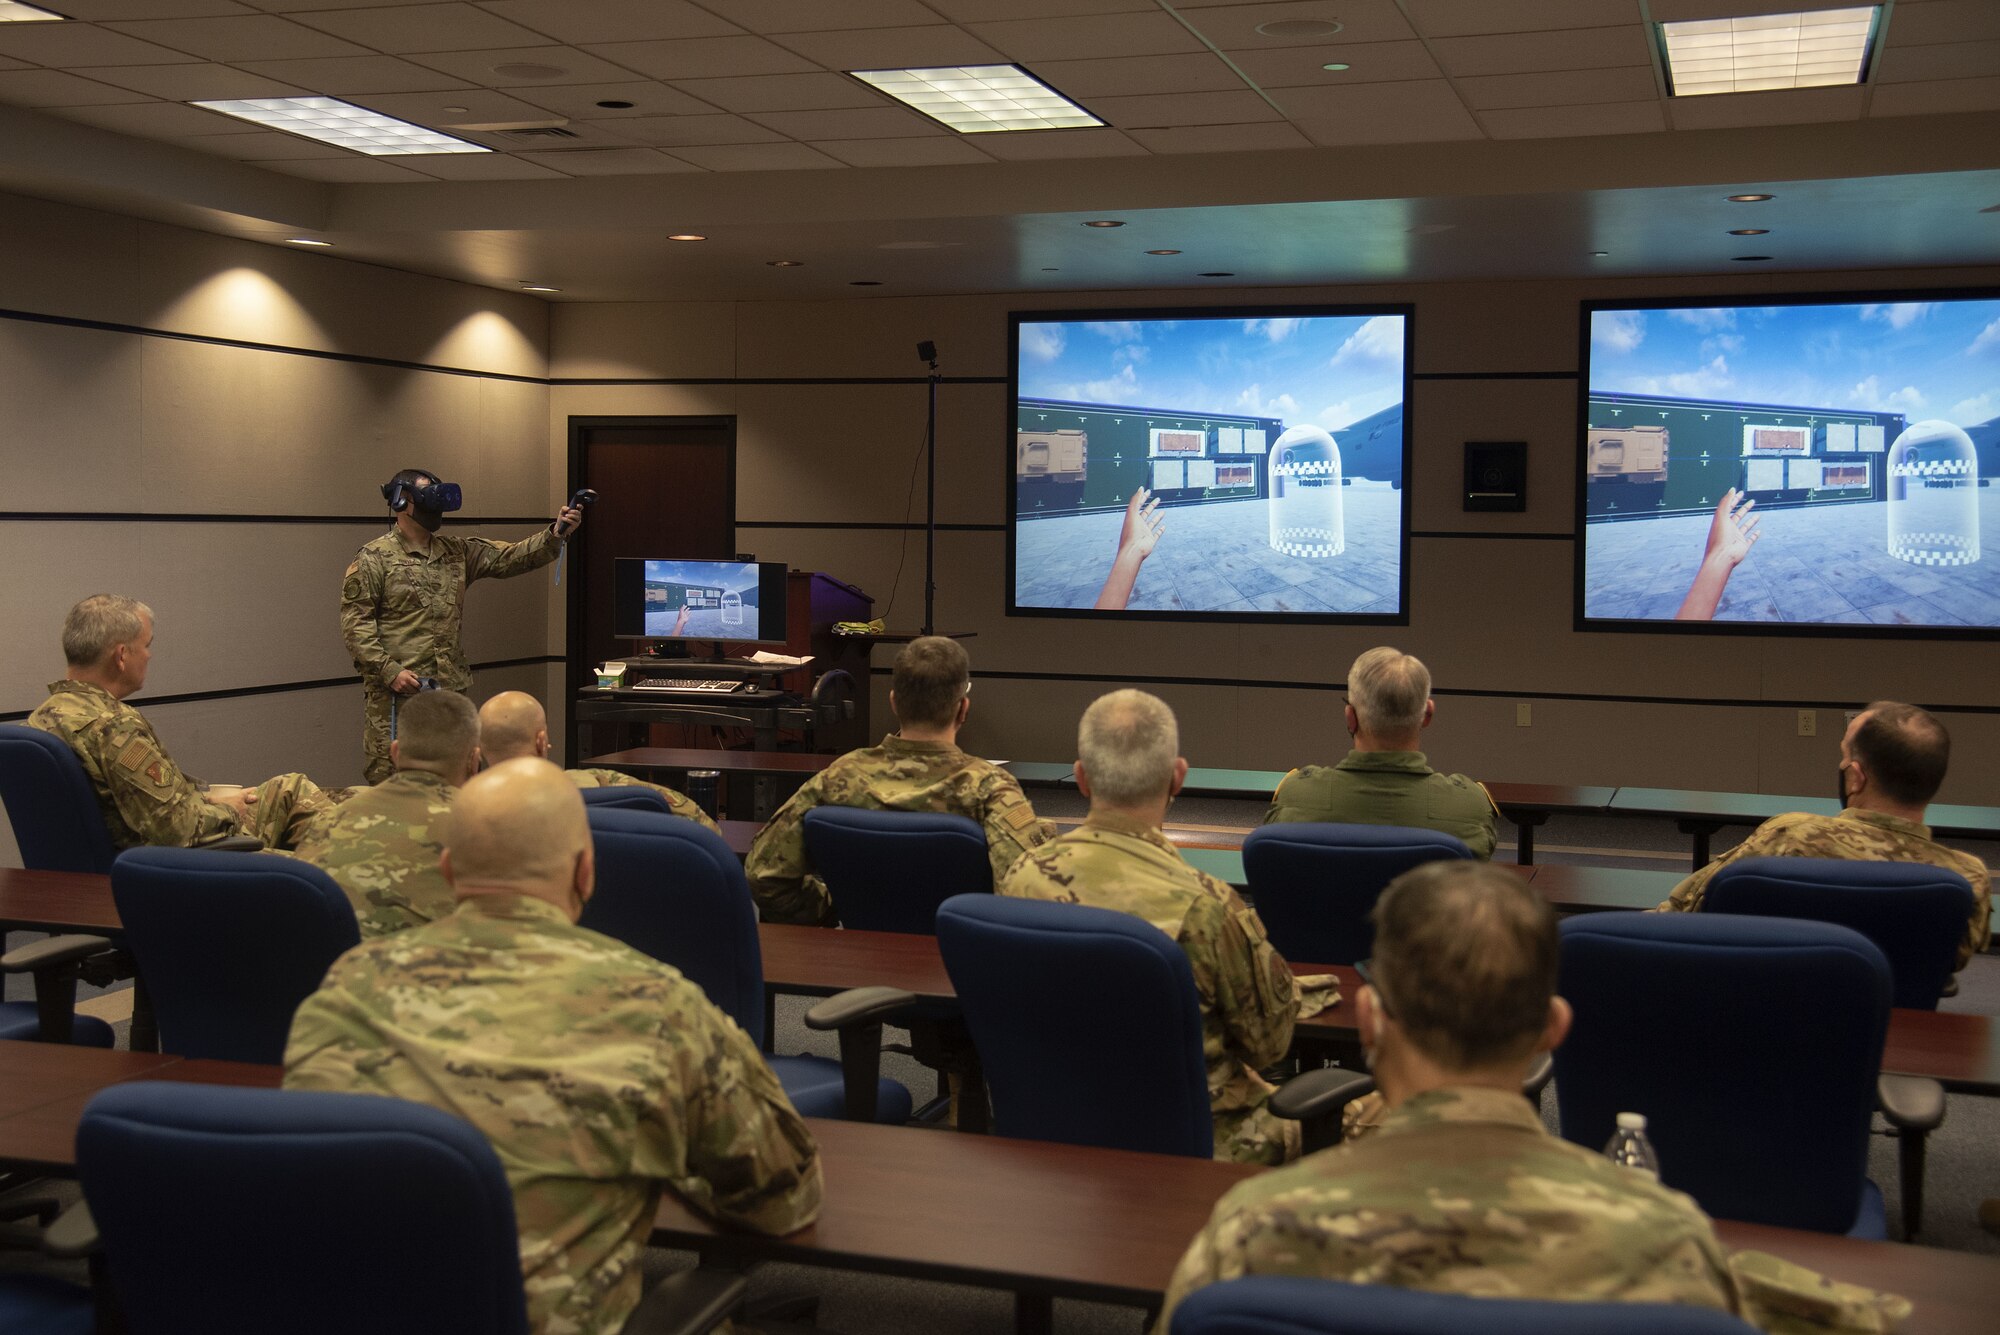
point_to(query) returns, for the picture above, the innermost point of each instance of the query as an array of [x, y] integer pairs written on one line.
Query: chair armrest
[[72, 1235], [235, 843], [857, 1014], [688, 1302], [1322, 1092], [50, 952], [858, 1005], [1909, 1102], [1538, 1077]]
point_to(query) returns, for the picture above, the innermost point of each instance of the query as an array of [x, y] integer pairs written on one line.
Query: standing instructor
[[403, 599]]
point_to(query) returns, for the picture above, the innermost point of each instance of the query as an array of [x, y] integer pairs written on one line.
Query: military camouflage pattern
[[599, 1076], [144, 796], [382, 847], [1863, 836], [401, 608], [679, 803], [1461, 1190], [899, 775], [1388, 788], [1249, 997]]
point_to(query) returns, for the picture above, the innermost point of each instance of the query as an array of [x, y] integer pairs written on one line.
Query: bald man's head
[[511, 725], [520, 828]]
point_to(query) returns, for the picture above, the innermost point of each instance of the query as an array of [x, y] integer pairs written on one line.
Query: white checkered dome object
[[1933, 502], [1306, 506]]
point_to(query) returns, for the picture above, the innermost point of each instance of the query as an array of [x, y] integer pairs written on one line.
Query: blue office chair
[[39, 1305], [229, 944], [1287, 1305], [1751, 1045], [57, 822], [1916, 914], [887, 871], [626, 797], [1315, 882], [671, 889]]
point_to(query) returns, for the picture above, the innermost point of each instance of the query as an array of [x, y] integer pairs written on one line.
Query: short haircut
[[1388, 688], [408, 476], [932, 675], [1128, 741], [1465, 957], [99, 624], [1904, 750], [436, 729]]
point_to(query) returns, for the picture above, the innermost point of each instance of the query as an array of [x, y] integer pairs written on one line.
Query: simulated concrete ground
[[1217, 558], [1828, 564], [706, 623]]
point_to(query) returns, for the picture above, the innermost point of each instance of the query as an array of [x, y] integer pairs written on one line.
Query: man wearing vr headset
[[403, 599]]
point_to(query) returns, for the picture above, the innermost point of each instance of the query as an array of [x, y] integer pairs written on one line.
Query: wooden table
[[57, 901], [649, 762], [1701, 814], [1569, 889]]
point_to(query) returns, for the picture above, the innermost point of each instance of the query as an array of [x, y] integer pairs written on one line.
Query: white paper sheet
[[1764, 475], [1168, 474]]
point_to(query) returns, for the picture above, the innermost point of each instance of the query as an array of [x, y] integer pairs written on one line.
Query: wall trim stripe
[[573, 382], [889, 527], [145, 517], [1494, 375]]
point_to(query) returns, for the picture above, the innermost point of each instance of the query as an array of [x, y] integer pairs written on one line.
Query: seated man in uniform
[[1461, 1189], [1385, 779], [145, 798], [917, 768], [382, 845], [598, 1074], [513, 724], [1128, 766], [1892, 761]]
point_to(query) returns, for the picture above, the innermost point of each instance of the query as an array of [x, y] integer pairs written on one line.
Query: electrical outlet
[[1524, 714], [1808, 723]]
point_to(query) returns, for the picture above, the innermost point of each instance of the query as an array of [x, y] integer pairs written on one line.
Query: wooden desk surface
[[729, 762], [1946, 819], [56, 901], [1555, 798], [1573, 889]]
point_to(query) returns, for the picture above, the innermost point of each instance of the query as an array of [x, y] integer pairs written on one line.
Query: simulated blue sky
[[1330, 371], [739, 576], [1921, 359]]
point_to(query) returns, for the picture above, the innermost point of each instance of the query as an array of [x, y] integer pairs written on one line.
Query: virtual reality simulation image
[[701, 600], [1815, 464], [1242, 464]]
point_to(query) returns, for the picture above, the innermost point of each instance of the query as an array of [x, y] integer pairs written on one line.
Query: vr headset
[[439, 496]]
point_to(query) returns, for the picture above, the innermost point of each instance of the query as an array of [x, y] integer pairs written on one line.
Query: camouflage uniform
[[1461, 1190], [599, 1076], [382, 848], [1862, 836], [144, 796], [1249, 997], [401, 607], [679, 803], [899, 775], [1388, 788]]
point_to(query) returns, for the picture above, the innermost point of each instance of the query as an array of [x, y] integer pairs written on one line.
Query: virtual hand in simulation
[[1730, 538], [1136, 540]]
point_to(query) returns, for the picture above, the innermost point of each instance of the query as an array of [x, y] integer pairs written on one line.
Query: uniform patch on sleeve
[[1019, 818], [135, 755]]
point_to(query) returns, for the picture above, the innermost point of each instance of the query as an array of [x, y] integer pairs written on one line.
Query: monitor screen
[[1213, 464], [656, 598], [1799, 463]]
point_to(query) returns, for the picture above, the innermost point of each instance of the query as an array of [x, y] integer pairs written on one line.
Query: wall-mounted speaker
[[1496, 475]]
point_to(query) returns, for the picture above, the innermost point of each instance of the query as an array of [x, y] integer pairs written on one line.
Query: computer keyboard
[[686, 684]]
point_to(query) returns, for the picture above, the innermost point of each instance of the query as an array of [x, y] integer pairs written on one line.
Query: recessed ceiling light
[[455, 111], [1807, 49], [529, 70], [12, 11], [1748, 259], [866, 282], [615, 104], [1599, 254], [786, 264], [344, 125], [1749, 231], [1163, 252], [981, 99], [1052, 270], [687, 236], [538, 287], [305, 241], [1104, 222], [1748, 199], [1336, 67], [1218, 273], [1299, 28]]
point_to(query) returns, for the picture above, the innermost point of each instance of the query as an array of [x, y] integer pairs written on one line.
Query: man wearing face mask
[[1892, 761], [403, 600]]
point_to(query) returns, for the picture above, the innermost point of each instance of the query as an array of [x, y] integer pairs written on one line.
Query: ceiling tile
[[1565, 122], [1369, 62], [1044, 145], [261, 146], [1233, 108], [575, 135], [1233, 27], [482, 67], [436, 27], [935, 151], [936, 44], [1381, 113], [94, 11], [674, 131], [480, 106], [613, 20], [488, 167], [1523, 53], [355, 74], [1942, 97], [348, 168], [294, 6], [1467, 18], [155, 120], [68, 45], [1221, 138], [9, 63], [195, 83], [993, 11], [1125, 76], [1631, 83], [858, 123], [1942, 60], [1943, 21], [647, 99], [1089, 35], [706, 57], [255, 37], [1790, 106], [756, 157], [770, 16], [53, 88], [609, 162], [782, 92]]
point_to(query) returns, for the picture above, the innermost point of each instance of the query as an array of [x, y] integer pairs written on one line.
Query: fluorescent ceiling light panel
[[13, 11], [981, 99], [1811, 49], [344, 125]]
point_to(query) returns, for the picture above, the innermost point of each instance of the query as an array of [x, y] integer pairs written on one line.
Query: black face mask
[[430, 520], [1840, 784]]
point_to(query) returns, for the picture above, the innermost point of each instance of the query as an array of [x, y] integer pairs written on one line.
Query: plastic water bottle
[[1629, 1146]]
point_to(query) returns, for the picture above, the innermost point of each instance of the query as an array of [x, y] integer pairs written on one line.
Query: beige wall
[[1491, 615], [100, 421]]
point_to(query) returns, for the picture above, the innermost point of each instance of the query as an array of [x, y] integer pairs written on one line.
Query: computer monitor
[[663, 598]]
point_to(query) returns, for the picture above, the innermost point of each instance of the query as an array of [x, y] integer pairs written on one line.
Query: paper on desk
[[1317, 992], [776, 660]]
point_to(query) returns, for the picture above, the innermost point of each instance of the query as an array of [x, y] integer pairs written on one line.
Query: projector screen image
[[1815, 463], [1224, 464]]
